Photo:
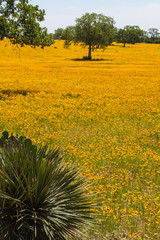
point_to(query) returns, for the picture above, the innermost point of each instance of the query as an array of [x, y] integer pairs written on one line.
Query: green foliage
[[129, 34], [4, 28], [92, 30], [19, 21], [7, 142], [70, 95], [153, 36], [68, 35], [4, 138], [41, 197], [5, 135], [58, 34], [14, 92]]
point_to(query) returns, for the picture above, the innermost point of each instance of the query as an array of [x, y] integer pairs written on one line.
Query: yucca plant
[[41, 197]]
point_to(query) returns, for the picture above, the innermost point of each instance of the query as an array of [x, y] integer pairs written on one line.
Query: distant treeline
[[128, 34]]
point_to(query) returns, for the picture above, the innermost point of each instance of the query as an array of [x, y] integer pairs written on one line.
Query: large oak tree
[[93, 30]]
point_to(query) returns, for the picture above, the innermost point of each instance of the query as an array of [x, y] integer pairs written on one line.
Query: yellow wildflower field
[[104, 113]]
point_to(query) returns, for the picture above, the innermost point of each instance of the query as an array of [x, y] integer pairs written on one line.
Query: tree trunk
[[89, 52], [124, 44]]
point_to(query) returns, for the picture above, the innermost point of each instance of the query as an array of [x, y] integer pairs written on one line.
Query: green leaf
[[28, 143], [1, 143], [22, 138], [5, 134]]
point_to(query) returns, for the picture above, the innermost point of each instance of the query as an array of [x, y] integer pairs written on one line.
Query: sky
[[63, 13]]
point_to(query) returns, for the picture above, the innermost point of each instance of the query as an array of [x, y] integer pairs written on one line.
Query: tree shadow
[[87, 59]]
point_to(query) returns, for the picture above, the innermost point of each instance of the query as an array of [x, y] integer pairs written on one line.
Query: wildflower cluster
[[104, 113]]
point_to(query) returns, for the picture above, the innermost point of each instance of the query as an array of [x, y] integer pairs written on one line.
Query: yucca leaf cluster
[[41, 197]]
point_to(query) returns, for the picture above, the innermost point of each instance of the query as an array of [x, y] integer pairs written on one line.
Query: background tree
[[19, 21], [58, 34], [68, 35], [93, 30], [154, 35], [129, 34]]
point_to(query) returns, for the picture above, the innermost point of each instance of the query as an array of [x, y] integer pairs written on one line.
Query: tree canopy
[[93, 30], [153, 35], [129, 34], [20, 22], [58, 34]]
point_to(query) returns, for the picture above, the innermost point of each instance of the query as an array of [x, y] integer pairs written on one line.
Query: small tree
[[154, 35], [58, 34], [19, 21], [68, 35], [129, 34], [93, 30]]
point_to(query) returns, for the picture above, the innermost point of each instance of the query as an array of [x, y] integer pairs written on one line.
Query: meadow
[[104, 114]]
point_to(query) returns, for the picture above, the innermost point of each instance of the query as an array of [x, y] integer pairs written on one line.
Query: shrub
[[41, 197]]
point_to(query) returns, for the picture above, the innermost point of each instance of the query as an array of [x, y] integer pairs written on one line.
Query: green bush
[[41, 197]]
